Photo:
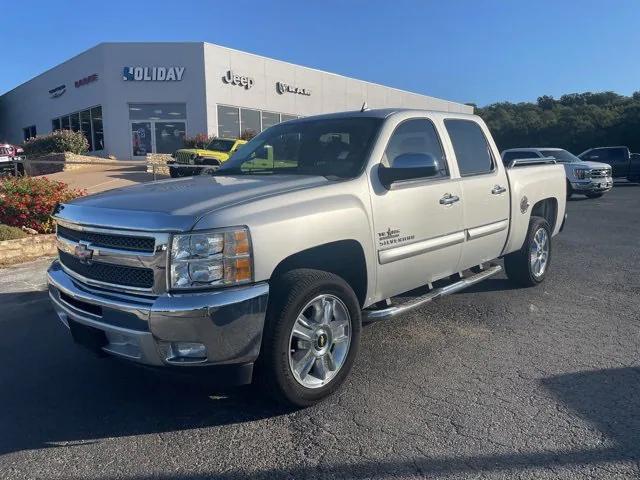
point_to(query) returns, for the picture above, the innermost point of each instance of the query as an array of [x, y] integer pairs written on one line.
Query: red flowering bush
[[29, 201], [201, 140]]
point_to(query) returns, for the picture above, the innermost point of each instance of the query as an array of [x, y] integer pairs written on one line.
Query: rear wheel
[[529, 265], [311, 337]]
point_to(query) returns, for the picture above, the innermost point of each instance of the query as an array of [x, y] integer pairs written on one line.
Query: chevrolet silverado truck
[[267, 270], [592, 179], [202, 161], [624, 163]]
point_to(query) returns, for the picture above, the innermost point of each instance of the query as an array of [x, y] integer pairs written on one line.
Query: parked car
[[9, 156], [217, 152], [276, 266], [592, 179], [623, 163]]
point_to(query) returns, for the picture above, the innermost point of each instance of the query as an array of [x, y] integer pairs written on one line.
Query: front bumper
[[227, 322], [599, 185]]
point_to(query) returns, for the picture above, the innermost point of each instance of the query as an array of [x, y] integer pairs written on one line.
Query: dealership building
[[130, 99]]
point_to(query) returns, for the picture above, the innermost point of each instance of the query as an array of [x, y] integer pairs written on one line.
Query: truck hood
[[176, 205], [588, 164]]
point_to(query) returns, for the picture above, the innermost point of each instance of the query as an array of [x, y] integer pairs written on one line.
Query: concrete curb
[[28, 248]]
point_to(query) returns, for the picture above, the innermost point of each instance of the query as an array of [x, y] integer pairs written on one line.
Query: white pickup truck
[[268, 268]]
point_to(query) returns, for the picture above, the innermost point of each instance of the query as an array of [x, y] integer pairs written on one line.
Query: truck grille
[[122, 242], [109, 273], [183, 157], [600, 173]]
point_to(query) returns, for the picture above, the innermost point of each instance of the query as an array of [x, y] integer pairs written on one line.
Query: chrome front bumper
[[227, 322], [595, 185]]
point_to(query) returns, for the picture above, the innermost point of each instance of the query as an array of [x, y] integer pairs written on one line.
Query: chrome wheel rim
[[539, 255], [319, 341]]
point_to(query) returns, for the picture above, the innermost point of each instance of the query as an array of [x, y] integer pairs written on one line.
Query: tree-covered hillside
[[575, 122]]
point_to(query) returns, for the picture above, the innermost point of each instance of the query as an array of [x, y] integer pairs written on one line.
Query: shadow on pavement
[[52, 391], [608, 399]]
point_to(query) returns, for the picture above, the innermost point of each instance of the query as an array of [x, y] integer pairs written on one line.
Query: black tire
[[569, 190], [517, 264], [175, 172], [290, 293], [214, 166], [594, 195]]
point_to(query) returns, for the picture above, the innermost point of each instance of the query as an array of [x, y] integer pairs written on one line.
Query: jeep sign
[[239, 80], [152, 74]]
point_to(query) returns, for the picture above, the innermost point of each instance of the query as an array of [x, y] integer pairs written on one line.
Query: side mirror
[[408, 166]]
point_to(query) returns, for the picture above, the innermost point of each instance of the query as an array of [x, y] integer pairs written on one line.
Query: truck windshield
[[562, 156], [335, 148], [220, 145]]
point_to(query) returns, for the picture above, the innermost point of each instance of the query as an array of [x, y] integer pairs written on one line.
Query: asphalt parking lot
[[493, 382]]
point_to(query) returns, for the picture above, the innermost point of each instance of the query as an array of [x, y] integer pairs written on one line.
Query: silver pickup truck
[[267, 269]]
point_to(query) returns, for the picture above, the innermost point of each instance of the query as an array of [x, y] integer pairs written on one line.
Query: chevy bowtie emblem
[[83, 253]]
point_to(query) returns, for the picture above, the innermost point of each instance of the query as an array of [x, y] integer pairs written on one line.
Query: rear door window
[[471, 147]]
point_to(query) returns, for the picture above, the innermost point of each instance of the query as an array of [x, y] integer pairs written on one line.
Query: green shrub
[[59, 141], [29, 201], [201, 140], [10, 233]]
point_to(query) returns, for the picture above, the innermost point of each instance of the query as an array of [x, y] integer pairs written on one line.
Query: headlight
[[210, 259], [581, 173]]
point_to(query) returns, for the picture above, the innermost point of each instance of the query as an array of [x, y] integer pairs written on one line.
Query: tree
[[576, 121]]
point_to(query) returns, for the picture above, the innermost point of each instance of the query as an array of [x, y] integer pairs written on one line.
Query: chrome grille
[[124, 261], [136, 244], [109, 273], [600, 173]]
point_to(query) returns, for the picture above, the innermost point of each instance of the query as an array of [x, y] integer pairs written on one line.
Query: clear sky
[[479, 51]]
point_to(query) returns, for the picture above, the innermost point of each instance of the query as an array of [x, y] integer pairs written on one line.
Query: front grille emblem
[[83, 253]]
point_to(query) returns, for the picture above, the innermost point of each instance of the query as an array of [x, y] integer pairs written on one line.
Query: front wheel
[[594, 195], [311, 337], [529, 265]]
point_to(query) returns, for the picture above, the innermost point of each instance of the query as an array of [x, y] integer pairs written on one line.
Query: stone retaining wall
[[159, 159], [28, 248], [33, 169]]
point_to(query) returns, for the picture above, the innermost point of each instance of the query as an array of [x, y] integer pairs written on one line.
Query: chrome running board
[[369, 316]]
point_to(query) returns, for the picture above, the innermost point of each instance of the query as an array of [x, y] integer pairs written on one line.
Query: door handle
[[449, 199], [498, 189]]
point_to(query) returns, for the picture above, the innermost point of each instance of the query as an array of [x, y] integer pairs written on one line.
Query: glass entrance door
[[141, 141], [169, 136]]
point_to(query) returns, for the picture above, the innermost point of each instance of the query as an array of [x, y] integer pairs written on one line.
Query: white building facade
[[130, 99]]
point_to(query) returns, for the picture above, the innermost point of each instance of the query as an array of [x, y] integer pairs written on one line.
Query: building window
[[75, 121], [234, 121], [29, 132], [96, 128], [250, 121], [228, 122], [88, 121], [269, 119], [157, 127]]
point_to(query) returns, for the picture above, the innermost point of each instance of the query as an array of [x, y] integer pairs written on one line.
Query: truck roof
[[379, 113], [532, 148]]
